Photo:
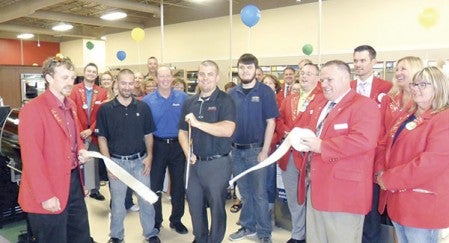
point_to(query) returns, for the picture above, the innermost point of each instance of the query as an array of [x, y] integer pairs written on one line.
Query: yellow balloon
[[138, 34], [428, 17]]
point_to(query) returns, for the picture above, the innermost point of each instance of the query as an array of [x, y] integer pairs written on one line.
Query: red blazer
[[419, 159], [78, 95], [45, 150], [379, 88], [289, 116], [280, 95], [342, 174]]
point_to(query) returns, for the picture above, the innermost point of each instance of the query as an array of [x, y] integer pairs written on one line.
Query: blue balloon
[[250, 15], [121, 55]]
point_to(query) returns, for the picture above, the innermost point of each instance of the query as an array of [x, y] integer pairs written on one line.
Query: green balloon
[[90, 45], [307, 49]]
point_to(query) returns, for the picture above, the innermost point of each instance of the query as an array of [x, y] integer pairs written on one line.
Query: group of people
[[378, 147]]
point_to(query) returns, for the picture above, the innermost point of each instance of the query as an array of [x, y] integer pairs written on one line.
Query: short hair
[[91, 64], [277, 83], [49, 65], [152, 58], [289, 68], [179, 80], [370, 49], [315, 66], [440, 84], [343, 66], [229, 85], [164, 66], [124, 72], [107, 73], [209, 63], [305, 61], [248, 59]]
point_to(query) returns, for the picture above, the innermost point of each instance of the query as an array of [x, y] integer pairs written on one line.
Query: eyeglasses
[[307, 74], [420, 86]]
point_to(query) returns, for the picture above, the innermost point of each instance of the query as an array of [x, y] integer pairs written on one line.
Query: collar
[[212, 97], [239, 87], [336, 101], [368, 81], [116, 103]]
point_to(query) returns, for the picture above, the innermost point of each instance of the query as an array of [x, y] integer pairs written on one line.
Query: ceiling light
[[25, 36], [114, 15], [62, 27]]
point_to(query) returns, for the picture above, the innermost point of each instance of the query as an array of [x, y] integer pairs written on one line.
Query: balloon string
[[249, 39]]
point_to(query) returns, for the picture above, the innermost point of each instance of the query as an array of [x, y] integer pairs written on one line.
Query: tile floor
[[99, 224]]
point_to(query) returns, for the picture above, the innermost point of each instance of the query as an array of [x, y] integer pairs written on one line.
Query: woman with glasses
[[413, 171]]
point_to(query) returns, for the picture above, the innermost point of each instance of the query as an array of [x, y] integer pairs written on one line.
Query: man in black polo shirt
[[124, 129], [211, 114]]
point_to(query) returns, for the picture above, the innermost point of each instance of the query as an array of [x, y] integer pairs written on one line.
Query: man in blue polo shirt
[[256, 113], [166, 105]]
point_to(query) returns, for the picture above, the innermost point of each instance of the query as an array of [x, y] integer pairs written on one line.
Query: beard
[[247, 81], [125, 94]]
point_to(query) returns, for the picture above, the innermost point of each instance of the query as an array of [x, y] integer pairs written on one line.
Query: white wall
[[391, 26]]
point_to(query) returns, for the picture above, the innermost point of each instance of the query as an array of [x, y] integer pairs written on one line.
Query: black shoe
[[115, 240], [296, 241], [179, 227], [154, 239], [96, 195]]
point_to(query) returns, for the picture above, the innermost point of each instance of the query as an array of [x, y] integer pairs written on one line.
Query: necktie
[[363, 88], [287, 90], [319, 127]]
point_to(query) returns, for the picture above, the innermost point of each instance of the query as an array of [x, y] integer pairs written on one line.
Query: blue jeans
[[407, 234], [254, 215], [118, 194]]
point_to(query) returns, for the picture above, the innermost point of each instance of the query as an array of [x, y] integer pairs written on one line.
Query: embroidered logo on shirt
[[255, 99], [137, 114], [176, 104], [212, 108]]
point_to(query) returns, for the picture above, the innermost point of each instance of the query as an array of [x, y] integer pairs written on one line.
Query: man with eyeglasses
[[166, 104], [339, 165], [290, 113]]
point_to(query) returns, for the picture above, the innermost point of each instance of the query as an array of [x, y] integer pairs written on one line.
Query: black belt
[[247, 146], [129, 157], [166, 140], [199, 158]]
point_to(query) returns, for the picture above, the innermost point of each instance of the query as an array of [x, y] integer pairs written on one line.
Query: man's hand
[[85, 134], [262, 156], [82, 156], [190, 118], [147, 161], [379, 180], [314, 143], [192, 159], [51, 204]]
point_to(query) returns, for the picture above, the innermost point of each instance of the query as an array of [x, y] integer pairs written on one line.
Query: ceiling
[[38, 16]]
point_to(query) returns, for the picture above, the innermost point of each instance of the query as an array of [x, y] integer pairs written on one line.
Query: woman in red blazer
[[413, 171]]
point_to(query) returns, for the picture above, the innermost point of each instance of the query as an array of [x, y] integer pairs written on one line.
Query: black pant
[[207, 186], [168, 155], [371, 225], [71, 225]]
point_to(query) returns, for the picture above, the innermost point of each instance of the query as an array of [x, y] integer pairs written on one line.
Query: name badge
[[341, 126], [255, 99], [98, 102]]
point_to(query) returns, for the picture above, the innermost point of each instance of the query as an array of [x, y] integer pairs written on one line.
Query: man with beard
[[124, 129], [211, 115], [51, 190], [88, 97], [256, 113]]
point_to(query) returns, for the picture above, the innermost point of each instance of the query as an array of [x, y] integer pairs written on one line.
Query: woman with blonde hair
[[398, 101], [412, 171]]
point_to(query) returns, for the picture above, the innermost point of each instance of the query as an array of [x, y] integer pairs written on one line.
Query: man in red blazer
[[367, 84], [291, 111], [88, 97], [339, 166], [289, 79], [51, 189]]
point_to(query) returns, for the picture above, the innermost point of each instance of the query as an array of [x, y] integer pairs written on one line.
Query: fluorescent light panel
[[114, 15], [25, 36], [62, 27]]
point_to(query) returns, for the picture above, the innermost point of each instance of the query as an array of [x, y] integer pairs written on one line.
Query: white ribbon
[[126, 178], [294, 139]]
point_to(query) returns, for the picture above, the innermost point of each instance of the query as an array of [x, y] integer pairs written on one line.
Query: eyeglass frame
[[420, 85]]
